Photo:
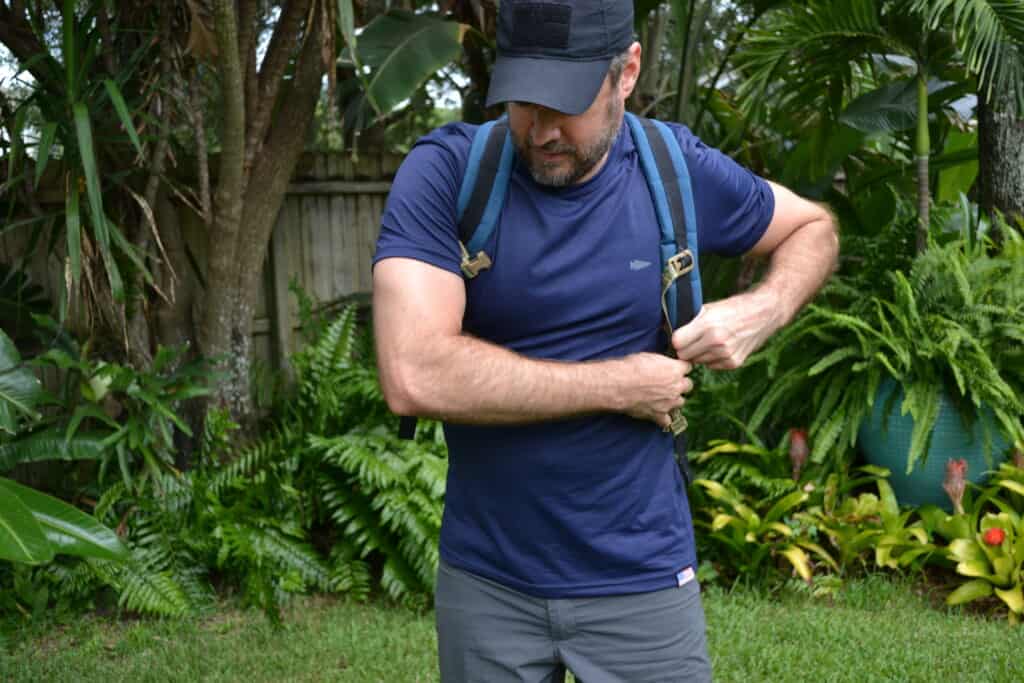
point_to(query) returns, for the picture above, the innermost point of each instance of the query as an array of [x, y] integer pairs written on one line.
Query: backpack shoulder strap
[[481, 198], [482, 194], [668, 179]]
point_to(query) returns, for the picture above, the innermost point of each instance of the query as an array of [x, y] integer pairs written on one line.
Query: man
[[567, 540]]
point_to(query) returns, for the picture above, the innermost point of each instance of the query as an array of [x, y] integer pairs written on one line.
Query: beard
[[578, 161]]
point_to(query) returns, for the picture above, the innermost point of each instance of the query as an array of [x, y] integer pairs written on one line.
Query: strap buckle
[[471, 267], [676, 267], [679, 423]]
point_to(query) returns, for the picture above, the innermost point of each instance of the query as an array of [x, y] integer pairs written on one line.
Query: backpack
[[482, 196]]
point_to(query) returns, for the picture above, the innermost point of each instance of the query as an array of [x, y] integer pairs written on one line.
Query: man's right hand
[[653, 385]]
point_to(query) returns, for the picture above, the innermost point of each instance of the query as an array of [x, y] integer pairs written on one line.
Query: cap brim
[[566, 86]]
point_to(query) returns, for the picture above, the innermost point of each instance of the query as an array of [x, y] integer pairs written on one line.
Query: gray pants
[[488, 633]]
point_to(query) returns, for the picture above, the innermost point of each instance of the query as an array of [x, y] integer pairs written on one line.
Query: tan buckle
[[471, 267], [679, 423], [676, 267]]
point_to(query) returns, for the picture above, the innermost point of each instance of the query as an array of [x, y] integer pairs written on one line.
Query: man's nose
[[546, 125]]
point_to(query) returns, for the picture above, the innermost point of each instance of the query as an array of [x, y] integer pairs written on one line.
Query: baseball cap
[[556, 53]]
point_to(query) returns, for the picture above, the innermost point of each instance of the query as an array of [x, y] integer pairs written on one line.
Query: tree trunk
[[1001, 155], [259, 152], [923, 151]]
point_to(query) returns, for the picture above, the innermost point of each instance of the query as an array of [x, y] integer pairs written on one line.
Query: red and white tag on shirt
[[684, 577]]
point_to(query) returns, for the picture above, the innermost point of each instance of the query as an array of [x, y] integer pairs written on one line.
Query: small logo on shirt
[[684, 577], [637, 264]]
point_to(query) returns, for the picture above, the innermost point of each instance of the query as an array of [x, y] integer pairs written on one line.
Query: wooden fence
[[324, 239]]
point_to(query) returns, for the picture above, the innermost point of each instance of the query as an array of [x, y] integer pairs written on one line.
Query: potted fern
[[940, 345]]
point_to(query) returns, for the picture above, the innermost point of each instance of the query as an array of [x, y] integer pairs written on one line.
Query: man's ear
[[630, 72]]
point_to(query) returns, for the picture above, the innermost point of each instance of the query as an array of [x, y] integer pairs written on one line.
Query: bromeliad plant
[[992, 557], [750, 539]]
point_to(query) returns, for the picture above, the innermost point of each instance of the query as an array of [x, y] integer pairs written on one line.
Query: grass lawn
[[875, 630]]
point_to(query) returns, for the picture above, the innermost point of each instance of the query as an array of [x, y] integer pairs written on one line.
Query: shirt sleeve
[[419, 218], [733, 205]]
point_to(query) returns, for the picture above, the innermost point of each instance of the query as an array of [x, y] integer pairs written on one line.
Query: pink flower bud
[[955, 483], [798, 451], [994, 536]]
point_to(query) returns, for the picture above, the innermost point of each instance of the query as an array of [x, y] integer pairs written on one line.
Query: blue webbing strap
[[686, 190]]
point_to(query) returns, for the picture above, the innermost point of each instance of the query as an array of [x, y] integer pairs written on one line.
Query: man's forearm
[[465, 379], [800, 265]]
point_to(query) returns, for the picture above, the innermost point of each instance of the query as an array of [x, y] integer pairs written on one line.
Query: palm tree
[[811, 59]]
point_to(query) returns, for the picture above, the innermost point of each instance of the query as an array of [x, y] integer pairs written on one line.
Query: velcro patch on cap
[[541, 25]]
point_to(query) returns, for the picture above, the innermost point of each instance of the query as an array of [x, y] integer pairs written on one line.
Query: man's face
[[560, 149]]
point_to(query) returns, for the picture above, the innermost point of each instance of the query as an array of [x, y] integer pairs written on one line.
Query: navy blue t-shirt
[[585, 506]]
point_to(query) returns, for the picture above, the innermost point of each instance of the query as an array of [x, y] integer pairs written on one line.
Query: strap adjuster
[[677, 266], [471, 267]]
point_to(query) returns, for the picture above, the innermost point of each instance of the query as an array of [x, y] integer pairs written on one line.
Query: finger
[[694, 350], [688, 334]]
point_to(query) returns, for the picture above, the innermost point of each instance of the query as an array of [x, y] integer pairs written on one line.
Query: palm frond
[[990, 34]]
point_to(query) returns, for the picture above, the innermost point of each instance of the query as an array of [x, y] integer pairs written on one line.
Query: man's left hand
[[725, 333]]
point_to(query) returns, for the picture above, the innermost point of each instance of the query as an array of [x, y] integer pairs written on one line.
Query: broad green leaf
[[785, 505], [1003, 567], [721, 521], [21, 537], [67, 528], [966, 550], [972, 590], [122, 112], [403, 50], [978, 568], [1013, 597], [957, 180], [43, 150], [347, 23], [798, 558], [70, 52], [1011, 485], [50, 444], [83, 129], [889, 109], [20, 389]]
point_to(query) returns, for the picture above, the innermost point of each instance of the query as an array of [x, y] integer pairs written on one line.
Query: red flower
[[994, 536], [955, 483], [798, 451]]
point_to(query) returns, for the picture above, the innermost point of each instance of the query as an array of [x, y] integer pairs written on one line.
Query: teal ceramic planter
[[950, 439]]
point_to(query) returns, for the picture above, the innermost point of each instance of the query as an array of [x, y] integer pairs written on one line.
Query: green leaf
[[785, 505], [20, 390], [966, 550], [957, 180], [83, 129], [73, 228], [50, 444], [122, 111], [403, 50], [889, 109], [347, 23], [69, 530], [21, 537], [43, 150], [1013, 597], [972, 590], [798, 558]]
